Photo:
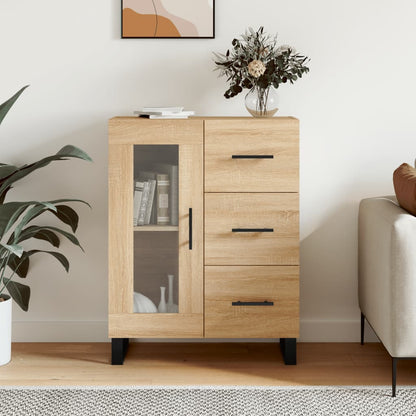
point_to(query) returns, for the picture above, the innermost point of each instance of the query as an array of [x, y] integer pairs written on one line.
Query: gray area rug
[[200, 401]]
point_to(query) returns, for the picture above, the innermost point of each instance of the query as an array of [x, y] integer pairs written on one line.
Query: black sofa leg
[[362, 328], [393, 376], [288, 348], [119, 347]]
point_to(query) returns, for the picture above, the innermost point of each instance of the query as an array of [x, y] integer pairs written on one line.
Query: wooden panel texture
[[240, 193], [277, 284], [149, 325], [191, 263], [223, 212], [277, 137], [135, 130], [120, 229]]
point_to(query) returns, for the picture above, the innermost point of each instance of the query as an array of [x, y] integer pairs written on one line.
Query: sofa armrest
[[387, 273]]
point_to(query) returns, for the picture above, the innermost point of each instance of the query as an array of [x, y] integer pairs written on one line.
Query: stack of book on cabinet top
[[156, 196], [163, 112]]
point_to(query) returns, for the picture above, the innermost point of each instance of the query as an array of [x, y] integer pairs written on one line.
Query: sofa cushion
[[404, 180]]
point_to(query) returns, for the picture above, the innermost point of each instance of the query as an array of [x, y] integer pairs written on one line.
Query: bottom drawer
[[235, 302]]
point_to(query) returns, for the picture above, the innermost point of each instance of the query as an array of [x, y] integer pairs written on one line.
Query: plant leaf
[[72, 151], [31, 213], [63, 154], [20, 293], [59, 256], [68, 216], [13, 248], [7, 105], [69, 236], [19, 265], [11, 211], [56, 209], [39, 233], [7, 170], [58, 201]]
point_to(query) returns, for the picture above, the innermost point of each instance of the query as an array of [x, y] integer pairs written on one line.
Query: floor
[[202, 364]]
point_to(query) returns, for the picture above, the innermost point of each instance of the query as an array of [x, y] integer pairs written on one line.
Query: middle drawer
[[252, 229]]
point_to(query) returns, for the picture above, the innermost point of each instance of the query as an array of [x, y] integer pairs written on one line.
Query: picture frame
[[167, 19]]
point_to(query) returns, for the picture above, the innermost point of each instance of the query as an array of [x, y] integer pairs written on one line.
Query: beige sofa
[[387, 276]]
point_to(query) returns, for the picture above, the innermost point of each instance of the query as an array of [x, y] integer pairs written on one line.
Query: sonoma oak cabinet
[[226, 234]]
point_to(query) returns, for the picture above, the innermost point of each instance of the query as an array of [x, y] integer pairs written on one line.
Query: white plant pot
[[5, 330]]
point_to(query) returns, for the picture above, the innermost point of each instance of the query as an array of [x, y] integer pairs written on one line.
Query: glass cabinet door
[[155, 242], [155, 223]]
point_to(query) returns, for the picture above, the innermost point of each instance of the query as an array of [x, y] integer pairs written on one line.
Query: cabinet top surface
[[146, 120]]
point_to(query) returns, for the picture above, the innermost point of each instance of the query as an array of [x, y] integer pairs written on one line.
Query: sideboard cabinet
[[204, 230]]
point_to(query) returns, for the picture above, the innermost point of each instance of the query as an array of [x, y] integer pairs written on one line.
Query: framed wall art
[[168, 19]]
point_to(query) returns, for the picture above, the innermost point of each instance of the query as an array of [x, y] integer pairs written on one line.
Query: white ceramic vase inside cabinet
[[172, 308], [162, 308]]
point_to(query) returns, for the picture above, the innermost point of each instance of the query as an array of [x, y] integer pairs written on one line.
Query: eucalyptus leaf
[[281, 62]]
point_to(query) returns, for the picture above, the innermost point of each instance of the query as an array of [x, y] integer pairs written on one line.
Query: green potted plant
[[258, 64], [17, 227]]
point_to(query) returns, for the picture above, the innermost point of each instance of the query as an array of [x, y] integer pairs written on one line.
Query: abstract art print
[[168, 19]]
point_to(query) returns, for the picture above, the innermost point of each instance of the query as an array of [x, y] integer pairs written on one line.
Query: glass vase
[[262, 102]]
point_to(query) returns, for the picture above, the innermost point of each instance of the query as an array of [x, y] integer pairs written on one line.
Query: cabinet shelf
[[156, 228]]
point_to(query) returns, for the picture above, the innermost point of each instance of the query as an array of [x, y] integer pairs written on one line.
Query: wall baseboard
[[96, 331]]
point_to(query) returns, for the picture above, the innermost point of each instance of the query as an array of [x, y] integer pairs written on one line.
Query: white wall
[[357, 125]]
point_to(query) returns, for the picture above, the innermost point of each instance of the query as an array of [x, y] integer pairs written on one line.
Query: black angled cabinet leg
[[288, 347], [362, 328], [119, 347]]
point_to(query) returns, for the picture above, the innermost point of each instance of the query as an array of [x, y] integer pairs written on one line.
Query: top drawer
[[252, 155]]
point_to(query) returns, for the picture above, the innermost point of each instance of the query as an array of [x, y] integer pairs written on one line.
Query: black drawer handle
[[252, 156], [190, 228], [265, 303], [252, 230]]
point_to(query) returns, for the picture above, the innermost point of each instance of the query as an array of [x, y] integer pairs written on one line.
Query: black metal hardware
[[252, 156], [288, 347], [190, 228], [119, 347], [265, 303], [252, 230], [394, 361], [362, 328]]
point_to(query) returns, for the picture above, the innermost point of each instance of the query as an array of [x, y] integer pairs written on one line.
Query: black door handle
[[190, 228], [252, 230], [252, 156], [265, 303]]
